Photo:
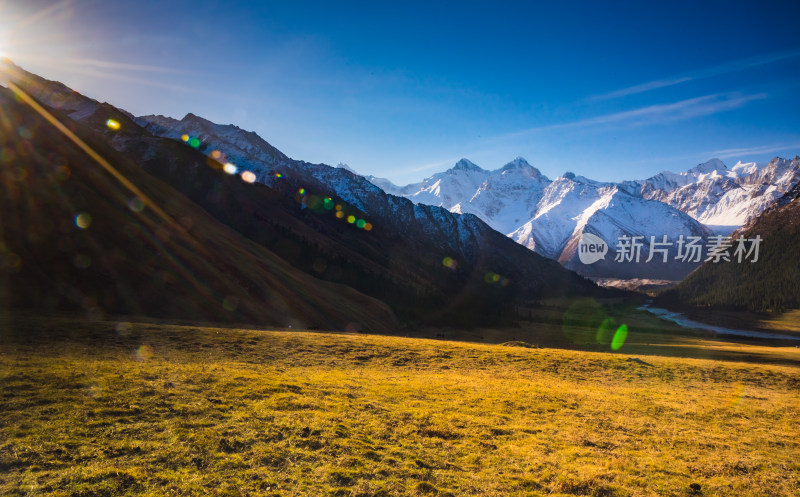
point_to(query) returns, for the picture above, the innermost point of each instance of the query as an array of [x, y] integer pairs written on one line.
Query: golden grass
[[91, 409], [788, 321]]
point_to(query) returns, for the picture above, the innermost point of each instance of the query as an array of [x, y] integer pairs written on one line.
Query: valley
[[186, 310], [135, 407]]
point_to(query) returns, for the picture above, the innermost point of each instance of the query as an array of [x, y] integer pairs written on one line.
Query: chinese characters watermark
[[686, 249]]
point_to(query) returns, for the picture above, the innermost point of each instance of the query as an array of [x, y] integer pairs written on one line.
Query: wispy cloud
[[644, 116], [48, 12], [743, 152], [103, 64], [114, 75], [632, 90], [718, 70], [677, 111], [656, 114], [739, 153]]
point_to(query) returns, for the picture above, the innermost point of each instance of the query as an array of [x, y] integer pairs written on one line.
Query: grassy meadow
[[112, 408]]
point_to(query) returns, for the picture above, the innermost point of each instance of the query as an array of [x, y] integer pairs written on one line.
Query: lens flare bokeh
[[144, 353]]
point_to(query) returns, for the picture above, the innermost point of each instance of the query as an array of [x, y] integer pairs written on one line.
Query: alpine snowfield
[[549, 216]]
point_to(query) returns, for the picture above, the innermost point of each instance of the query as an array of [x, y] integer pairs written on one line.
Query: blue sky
[[609, 90]]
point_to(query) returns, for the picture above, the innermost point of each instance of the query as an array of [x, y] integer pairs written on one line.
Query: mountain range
[[550, 216], [546, 216], [335, 241], [73, 237], [445, 219], [771, 283]]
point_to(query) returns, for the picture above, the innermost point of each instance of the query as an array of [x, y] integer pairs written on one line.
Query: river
[[680, 319]]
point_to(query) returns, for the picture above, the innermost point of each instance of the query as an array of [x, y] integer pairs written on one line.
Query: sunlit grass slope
[[112, 409]]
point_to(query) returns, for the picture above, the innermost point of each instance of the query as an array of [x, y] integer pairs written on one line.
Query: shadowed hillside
[[770, 284], [429, 265], [73, 237]]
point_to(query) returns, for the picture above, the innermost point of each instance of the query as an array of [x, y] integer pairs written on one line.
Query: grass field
[[785, 323], [109, 408]]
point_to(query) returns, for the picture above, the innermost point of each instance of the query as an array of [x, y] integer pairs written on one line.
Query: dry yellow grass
[[788, 321], [92, 409]]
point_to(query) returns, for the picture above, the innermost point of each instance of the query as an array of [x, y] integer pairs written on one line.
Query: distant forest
[[770, 284]]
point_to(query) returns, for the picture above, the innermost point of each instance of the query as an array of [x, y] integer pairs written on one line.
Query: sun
[[4, 44]]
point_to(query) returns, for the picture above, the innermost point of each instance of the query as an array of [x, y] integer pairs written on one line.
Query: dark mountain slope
[[72, 237], [399, 261], [770, 284]]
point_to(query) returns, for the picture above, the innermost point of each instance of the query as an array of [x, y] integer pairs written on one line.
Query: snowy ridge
[[545, 215], [248, 151], [549, 216], [721, 197]]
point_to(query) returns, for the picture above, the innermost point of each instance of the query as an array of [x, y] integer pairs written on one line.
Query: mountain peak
[[466, 165], [344, 166], [7, 65], [521, 167], [517, 163], [193, 117], [709, 166]]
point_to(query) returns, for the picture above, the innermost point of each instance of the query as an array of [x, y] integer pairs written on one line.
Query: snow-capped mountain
[[546, 216], [515, 199], [573, 205], [549, 217], [555, 216], [466, 235], [344, 166], [722, 198], [616, 214], [507, 197], [450, 187], [463, 233], [499, 197]]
